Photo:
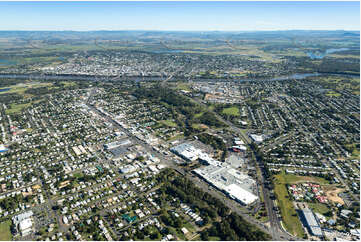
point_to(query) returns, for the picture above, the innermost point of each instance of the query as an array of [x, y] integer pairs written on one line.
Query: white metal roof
[[241, 194], [25, 224]]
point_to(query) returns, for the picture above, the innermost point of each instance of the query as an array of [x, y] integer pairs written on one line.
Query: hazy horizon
[[170, 30], [179, 16]]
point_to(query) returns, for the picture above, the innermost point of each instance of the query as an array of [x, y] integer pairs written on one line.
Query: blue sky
[[203, 16]]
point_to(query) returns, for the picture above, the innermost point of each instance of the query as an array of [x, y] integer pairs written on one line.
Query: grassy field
[[169, 123], [183, 86], [78, 175], [336, 83], [291, 179], [214, 238], [233, 111], [211, 107], [332, 94], [5, 234], [16, 108], [21, 88], [199, 126], [178, 136], [188, 226], [356, 92], [319, 207], [198, 115], [36, 60], [68, 83], [288, 212], [355, 151]]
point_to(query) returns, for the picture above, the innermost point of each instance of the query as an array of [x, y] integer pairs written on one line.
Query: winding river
[[296, 76]]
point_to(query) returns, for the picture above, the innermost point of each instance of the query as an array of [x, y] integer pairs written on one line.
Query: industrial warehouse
[[224, 177], [235, 184], [190, 153], [310, 221]]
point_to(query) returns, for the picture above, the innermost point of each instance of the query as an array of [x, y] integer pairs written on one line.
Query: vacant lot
[[332, 194], [5, 234]]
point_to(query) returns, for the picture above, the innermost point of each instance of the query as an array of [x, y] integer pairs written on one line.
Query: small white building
[[184, 230], [256, 138]]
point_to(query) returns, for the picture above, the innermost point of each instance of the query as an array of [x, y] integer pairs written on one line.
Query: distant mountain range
[[205, 35]]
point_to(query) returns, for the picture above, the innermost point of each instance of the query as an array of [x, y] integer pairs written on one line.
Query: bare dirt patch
[[332, 195], [203, 126]]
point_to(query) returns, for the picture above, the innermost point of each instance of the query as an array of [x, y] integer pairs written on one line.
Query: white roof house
[[184, 230], [243, 122], [65, 220], [239, 142]]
